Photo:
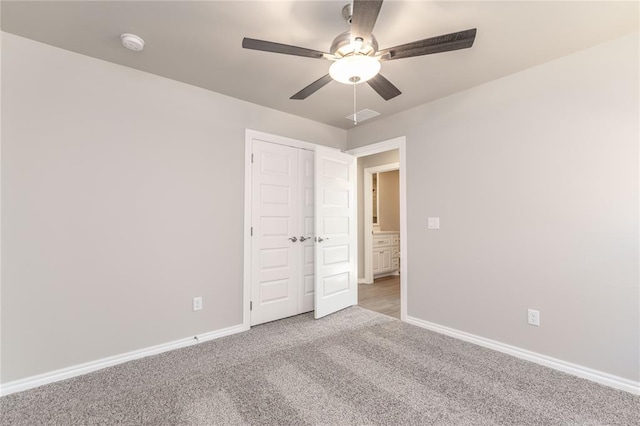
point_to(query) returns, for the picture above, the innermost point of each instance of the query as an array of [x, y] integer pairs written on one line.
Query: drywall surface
[[122, 199], [535, 180], [389, 193], [380, 159]]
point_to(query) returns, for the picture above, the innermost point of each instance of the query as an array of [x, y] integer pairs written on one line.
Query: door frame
[[368, 213], [399, 143], [249, 136]]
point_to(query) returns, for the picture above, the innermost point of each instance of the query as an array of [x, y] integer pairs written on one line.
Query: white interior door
[[275, 212], [336, 234]]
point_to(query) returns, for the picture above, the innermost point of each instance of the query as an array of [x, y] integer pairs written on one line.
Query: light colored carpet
[[353, 367]]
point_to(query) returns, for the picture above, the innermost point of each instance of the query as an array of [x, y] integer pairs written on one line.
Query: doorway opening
[[379, 287], [382, 236]]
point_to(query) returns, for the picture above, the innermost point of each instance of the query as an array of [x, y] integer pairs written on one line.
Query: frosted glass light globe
[[354, 69]]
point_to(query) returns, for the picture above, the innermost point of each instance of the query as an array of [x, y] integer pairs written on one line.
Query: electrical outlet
[[533, 317], [197, 303]]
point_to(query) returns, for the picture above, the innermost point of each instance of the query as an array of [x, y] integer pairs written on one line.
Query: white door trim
[[368, 227], [246, 275], [399, 143]]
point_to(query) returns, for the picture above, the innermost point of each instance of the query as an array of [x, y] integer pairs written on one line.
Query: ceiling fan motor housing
[[341, 45]]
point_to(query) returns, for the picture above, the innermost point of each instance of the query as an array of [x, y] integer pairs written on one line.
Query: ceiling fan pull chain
[[355, 116]]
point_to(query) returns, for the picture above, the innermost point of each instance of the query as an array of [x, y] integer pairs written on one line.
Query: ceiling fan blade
[[269, 46], [384, 87], [312, 88], [363, 18], [442, 43]]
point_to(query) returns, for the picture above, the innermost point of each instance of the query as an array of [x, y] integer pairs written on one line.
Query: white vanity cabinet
[[386, 253]]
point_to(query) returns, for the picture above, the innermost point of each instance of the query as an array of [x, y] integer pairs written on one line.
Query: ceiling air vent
[[363, 115]]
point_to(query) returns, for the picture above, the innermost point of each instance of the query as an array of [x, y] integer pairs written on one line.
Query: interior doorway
[[382, 245], [381, 216]]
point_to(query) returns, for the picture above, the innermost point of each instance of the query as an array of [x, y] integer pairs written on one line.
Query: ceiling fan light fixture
[[354, 69], [356, 55]]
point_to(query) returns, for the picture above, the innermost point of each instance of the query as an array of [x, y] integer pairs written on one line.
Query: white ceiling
[[200, 43]]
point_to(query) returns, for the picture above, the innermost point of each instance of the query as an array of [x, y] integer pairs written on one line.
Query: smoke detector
[[132, 42]]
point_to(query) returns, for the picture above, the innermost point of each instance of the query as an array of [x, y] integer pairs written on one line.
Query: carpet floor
[[353, 367]]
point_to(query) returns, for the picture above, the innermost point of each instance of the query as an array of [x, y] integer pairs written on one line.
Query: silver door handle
[[303, 239], [294, 239], [320, 239]]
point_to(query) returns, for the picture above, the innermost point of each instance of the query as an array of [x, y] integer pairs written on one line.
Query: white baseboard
[[557, 364], [395, 273], [88, 367], [363, 281]]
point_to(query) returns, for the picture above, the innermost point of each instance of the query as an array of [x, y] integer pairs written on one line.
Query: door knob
[[320, 239], [294, 239], [303, 239]]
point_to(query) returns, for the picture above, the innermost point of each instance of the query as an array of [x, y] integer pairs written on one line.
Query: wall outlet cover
[[533, 317]]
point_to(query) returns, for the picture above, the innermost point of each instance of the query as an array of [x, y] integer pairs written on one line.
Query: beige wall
[[535, 180], [122, 199], [363, 163], [389, 193]]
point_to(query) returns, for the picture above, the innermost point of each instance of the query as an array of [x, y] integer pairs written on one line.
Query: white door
[[275, 220], [335, 221]]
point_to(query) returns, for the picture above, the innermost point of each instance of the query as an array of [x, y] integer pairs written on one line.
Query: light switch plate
[[197, 303], [433, 223]]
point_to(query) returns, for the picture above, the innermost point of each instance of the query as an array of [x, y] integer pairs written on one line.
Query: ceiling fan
[[355, 53]]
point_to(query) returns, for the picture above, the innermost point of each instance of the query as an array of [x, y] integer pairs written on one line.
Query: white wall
[[535, 180], [122, 198]]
